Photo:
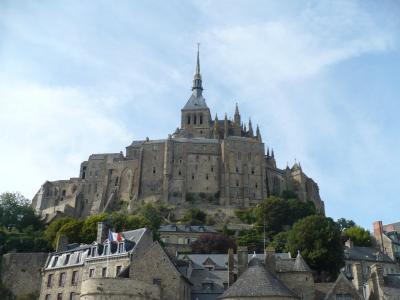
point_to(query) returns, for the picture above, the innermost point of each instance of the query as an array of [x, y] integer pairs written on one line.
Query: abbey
[[206, 160]]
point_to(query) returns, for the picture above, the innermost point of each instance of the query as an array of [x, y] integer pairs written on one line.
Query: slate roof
[[342, 279], [187, 228], [257, 281], [365, 253], [392, 285], [195, 103], [300, 265]]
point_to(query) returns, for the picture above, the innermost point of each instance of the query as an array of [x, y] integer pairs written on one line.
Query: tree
[[279, 241], [52, 230], [213, 243], [89, 227], [246, 215], [318, 239], [72, 230], [344, 223], [274, 211], [194, 216], [15, 212], [252, 238], [358, 235]]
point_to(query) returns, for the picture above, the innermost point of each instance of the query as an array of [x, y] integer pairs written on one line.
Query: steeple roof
[[196, 100], [257, 281], [300, 265]]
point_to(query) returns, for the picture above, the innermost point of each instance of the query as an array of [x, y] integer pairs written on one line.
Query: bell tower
[[195, 115]]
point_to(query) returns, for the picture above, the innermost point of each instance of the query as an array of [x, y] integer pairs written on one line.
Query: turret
[[216, 127], [258, 134], [226, 128], [250, 129], [236, 122]]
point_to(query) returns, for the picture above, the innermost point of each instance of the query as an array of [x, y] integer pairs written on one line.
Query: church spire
[[197, 82], [216, 127], [250, 129], [258, 134]]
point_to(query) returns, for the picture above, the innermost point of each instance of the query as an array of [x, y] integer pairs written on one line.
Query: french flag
[[114, 236]]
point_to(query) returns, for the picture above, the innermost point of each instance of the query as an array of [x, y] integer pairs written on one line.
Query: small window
[[50, 280], [104, 272], [212, 169], [157, 281], [73, 296], [66, 261], [91, 273], [180, 161], [105, 250], [74, 279], [116, 181], [201, 119], [237, 183], [237, 170], [48, 297], [206, 176], [59, 296], [179, 173], [61, 281], [118, 270], [194, 119], [64, 192], [188, 119], [121, 247], [252, 170], [256, 185], [154, 170], [55, 261], [192, 176]]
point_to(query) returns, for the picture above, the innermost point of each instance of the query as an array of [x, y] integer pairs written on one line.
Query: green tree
[[318, 239], [358, 235], [246, 215], [345, 223], [89, 227], [251, 238], [279, 241], [16, 212], [194, 216], [72, 230], [51, 232], [274, 212]]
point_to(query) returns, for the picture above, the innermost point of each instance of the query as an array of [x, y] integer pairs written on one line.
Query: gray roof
[[365, 253], [300, 265], [134, 235], [187, 228], [257, 281], [392, 285], [195, 103], [283, 262], [103, 156], [199, 140]]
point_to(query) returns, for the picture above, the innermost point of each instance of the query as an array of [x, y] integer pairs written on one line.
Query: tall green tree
[[345, 223], [318, 239], [358, 235]]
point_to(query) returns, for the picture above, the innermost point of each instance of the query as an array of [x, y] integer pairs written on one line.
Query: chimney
[[62, 242], [378, 234], [349, 243], [270, 262], [231, 277], [357, 277], [243, 259], [101, 232]]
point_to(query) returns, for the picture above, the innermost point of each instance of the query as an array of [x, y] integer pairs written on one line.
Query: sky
[[321, 78]]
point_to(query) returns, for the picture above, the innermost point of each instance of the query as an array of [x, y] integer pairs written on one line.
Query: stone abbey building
[[222, 162]]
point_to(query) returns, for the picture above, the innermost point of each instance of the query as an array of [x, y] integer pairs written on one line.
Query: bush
[[213, 243]]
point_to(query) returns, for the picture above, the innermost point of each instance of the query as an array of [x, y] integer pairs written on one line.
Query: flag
[[114, 236]]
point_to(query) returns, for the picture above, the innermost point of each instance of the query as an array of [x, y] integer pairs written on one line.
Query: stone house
[[206, 161]]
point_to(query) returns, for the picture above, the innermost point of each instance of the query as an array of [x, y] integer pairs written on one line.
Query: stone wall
[[20, 272], [118, 289], [301, 283]]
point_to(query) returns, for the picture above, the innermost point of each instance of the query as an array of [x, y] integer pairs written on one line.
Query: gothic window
[[180, 161], [201, 119], [206, 176], [192, 176], [59, 296], [154, 170], [116, 181], [194, 119], [179, 173], [188, 119], [212, 169], [252, 170], [95, 188], [83, 172]]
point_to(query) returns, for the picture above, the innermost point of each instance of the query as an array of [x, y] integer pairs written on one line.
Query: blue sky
[[321, 80]]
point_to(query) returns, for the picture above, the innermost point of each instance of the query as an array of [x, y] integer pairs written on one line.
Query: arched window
[[188, 119], [194, 119], [201, 119]]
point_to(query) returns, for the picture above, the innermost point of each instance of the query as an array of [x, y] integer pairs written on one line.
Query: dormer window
[[121, 247], [106, 250]]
